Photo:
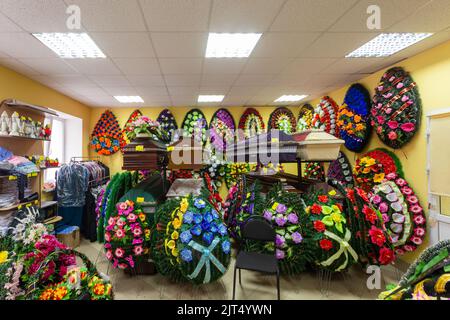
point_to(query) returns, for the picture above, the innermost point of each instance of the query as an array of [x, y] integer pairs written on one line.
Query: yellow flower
[[370, 162], [378, 178], [357, 119], [366, 170], [308, 210], [337, 217], [142, 217], [175, 252], [332, 193], [336, 209], [3, 256], [184, 205], [175, 235], [171, 244], [176, 223]]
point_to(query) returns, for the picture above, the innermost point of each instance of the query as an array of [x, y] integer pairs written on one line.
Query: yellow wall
[[431, 71], [16, 86]]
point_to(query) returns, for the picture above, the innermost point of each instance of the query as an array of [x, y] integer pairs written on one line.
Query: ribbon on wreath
[[344, 248], [206, 260]]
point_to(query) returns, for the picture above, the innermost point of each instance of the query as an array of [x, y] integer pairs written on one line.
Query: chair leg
[[278, 285], [240, 281], [234, 284]]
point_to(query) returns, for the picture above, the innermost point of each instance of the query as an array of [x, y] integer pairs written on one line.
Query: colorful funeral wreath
[[353, 118], [127, 235], [371, 240], [107, 137], [314, 171], [195, 125], [340, 171], [325, 117], [402, 213], [283, 119], [167, 122], [330, 233], [396, 109], [305, 118], [222, 129], [127, 127], [251, 123]]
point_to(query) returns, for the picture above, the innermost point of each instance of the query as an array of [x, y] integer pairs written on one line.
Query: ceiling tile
[[266, 65], [151, 90], [183, 101], [223, 66], [176, 15], [124, 44], [181, 66], [244, 90], [289, 80], [253, 80], [243, 15], [183, 90], [283, 44], [120, 90], [94, 66], [218, 79], [49, 66], [214, 90], [37, 15], [110, 81], [6, 25], [88, 90], [144, 81], [138, 66], [18, 66], [183, 80], [310, 15], [235, 101], [69, 80], [307, 66], [336, 45], [423, 45], [392, 11], [352, 65], [180, 45], [24, 45], [110, 15]]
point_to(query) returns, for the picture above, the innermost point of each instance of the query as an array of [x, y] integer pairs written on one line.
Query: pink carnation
[[392, 135], [408, 127], [419, 220], [380, 120], [392, 124]]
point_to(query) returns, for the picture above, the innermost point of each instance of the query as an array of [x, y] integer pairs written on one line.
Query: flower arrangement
[[314, 171], [127, 128], [251, 123], [127, 235], [283, 119], [396, 109], [168, 122], [340, 171], [107, 137], [402, 213], [195, 125], [353, 118], [222, 129], [325, 117], [330, 233], [143, 126], [305, 118]]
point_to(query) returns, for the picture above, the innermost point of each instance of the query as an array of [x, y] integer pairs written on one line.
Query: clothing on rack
[[73, 180]]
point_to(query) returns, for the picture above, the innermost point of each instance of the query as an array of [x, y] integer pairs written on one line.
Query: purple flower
[[376, 199], [268, 215], [293, 218], [384, 207], [281, 208], [280, 254], [279, 241], [280, 221], [297, 238]]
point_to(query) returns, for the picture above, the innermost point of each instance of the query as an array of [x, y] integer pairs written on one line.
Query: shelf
[[2, 136], [46, 168], [16, 104], [18, 205], [48, 204]]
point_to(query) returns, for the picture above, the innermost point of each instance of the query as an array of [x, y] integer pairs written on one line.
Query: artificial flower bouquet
[[305, 118], [143, 126], [368, 172], [283, 119], [251, 123], [222, 130]]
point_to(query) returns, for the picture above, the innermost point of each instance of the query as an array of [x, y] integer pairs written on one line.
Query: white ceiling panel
[[124, 44], [156, 100], [144, 81], [18, 66], [110, 81], [253, 80], [430, 42], [310, 15], [6, 25], [183, 101], [69, 80], [180, 45], [243, 15], [336, 45], [245, 90], [306, 66], [266, 65], [223, 66], [24, 45], [181, 66], [214, 90], [49, 66], [352, 65], [88, 91], [176, 15], [235, 101], [138, 66], [183, 90], [218, 79], [151, 90], [116, 15], [183, 80], [392, 11], [120, 91], [289, 80], [283, 44], [101, 67]]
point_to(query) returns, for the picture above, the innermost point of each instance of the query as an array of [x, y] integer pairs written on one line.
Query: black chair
[[256, 229]]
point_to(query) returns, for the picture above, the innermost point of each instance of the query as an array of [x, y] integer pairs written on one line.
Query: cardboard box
[[70, 236]]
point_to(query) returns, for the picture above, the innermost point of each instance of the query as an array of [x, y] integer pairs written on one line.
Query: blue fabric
[[5, 154], [72, 216], [73, 180], [68, 230]]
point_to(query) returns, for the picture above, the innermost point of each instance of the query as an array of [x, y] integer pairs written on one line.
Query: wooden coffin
[[185, 154], [144, 154]]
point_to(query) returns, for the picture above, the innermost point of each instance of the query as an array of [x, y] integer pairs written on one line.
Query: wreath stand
[[324, 279]]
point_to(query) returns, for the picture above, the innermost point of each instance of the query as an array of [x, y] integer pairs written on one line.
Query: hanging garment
[[73, 180]]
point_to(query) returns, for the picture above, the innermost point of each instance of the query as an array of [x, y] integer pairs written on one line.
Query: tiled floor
[[254, 286]]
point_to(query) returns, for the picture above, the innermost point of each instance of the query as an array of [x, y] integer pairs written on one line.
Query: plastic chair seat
[[257, 262]]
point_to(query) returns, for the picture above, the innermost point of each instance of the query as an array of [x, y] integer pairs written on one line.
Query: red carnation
[[319, 226], [326, 244], [377, 236], [323, 199], [316, 209], [386, 256], [370, 214], [362, 194]]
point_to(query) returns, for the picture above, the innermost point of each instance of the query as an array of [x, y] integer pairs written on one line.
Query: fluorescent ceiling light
[[291, 98], [71, 45], [210, 98], [231, 45], [129, 99], [387, 44]]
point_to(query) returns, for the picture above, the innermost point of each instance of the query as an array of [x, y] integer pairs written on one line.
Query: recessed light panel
[[71, 45], [291, 98], [210, 98], [129, 99], [231, 45], [387, 44]]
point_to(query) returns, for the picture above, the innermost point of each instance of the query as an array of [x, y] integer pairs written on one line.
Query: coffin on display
[[144, 154], [316, 145], [184, 187], [186, 154]]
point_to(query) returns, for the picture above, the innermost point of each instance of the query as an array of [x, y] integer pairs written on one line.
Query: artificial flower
[[3, 257], [280, 221], [208, 238], [184, 205], [280, 241], [370, 214], [408, 127], [171, 244], [281, 208], [416, 209], [319, 226], [176, 223], [120, 234], [386, 256], [377, 236], [417, 240], [226, 247], [292, 218], [186, 255], [119, 252], [326, 244], [323, 198], [297, 237], [378, 178], [316, 209], [188, 217], [196, 230], [175, 235], [199, 203], [392, 135], [280, 254]]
